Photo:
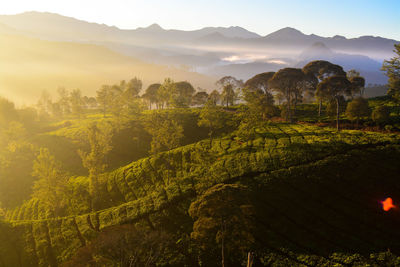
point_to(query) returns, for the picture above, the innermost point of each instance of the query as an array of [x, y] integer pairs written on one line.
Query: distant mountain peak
[[339, 37], [319, 45], [317, 50], [231, 32], [285, 33], [154, 27]]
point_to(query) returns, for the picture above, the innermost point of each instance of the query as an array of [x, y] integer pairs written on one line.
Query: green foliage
[[391, 68], [99, 138], [213, 117], [223, 215], [381, 115], [357, 109], [166, 132], [200, 98], [260, 82], [50, 187], [8, 112], [182, 94], [126, 245], [290, 82], [230, 87], [165, 93]]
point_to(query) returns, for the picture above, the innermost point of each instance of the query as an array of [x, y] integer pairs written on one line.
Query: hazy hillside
[[215, 50], [29, 65], [304, 182]]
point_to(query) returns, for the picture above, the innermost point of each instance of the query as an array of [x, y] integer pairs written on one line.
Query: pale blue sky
[[351, 18]]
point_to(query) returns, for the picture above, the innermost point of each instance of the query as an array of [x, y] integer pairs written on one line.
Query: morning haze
[[177, 138]]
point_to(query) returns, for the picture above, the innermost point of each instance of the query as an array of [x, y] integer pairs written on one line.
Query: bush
[[389, 128], [357, 109], [381, 115]]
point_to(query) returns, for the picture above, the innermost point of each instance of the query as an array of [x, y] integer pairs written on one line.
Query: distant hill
[[207, 50], [30, 65]]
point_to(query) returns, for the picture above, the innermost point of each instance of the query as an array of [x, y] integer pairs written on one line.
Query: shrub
[[381, 115], [357, 109]]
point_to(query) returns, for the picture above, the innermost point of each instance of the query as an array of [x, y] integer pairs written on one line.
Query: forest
[[288, 168]]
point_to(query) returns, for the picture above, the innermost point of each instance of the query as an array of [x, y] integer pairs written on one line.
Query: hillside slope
[[312, 186]]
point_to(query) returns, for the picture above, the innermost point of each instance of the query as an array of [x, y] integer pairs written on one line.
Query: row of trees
[[319, 80]]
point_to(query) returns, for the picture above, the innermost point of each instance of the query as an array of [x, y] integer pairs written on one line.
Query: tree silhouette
[[334, 88]]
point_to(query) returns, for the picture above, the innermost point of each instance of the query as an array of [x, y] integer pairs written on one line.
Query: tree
[[200, 98], [44, 105], [357, 83], [8, 112], [133, 88], [357, 109], [223, 215], [166, 132], [165, 92], [63, 100], [230, 86], [333, 88], [322, 69], [260, 107], [76, 101], [287, 81], [214, 97], [118, 101], [391, 68], [260, 82], [151, 94], [381, 115], [182, 94], [99, 139], [212, 117], [124, 245], [51, 183], [104, 98]]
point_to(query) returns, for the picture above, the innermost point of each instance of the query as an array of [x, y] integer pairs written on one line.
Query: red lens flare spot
[[388, 204]]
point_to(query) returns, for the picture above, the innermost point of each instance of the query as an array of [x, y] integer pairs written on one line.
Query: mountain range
[[211, 51]]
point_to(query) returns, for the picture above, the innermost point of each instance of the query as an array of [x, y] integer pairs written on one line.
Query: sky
[[350, 18]]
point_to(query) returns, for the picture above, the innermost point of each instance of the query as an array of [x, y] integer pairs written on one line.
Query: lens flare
[[388, 204]]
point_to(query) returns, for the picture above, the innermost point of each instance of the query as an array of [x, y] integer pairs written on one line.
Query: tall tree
[[51, 183], [200, 98], [287, 81], [230, 86], [104, 98], [357, 83], [44, 105], [212, 117], [118, 101], [133, 88], [165, 130], [260, 106], [182, 94], [76, 101], [357, 109], [165, 92], [260, 82], [322, 69], [63, 100], [99, 139], [215, 97], [223, 214], [391, 68], [8, 112], [151, 94], [334, 88]]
